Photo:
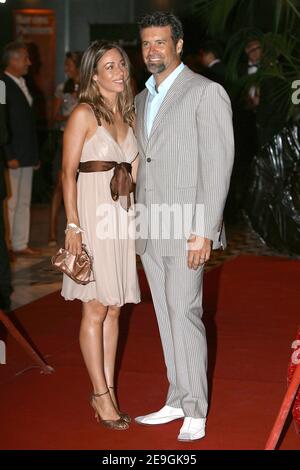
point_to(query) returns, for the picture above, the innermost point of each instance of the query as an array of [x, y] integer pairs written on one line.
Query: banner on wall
[[37, 28]]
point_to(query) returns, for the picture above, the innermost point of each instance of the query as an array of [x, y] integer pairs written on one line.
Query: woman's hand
[[73, 242]]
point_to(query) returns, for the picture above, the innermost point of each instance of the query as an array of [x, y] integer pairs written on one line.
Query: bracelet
[[74, 228]]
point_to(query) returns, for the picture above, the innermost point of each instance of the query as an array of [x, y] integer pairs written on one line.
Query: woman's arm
[[74, 137]]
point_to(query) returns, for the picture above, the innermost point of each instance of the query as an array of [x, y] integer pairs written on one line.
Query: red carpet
[[251, 316]]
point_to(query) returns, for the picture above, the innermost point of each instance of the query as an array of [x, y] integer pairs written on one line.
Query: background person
[[66, 98]]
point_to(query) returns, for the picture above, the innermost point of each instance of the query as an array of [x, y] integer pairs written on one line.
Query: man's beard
[[156, 68]]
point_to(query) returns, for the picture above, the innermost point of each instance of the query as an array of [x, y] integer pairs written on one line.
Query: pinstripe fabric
[[187, 159], [191, 150], [177, 296]]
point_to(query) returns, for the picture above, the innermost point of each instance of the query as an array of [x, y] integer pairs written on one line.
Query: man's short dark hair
[[213, 47], [10, 49], [161, 19], [252, 39]]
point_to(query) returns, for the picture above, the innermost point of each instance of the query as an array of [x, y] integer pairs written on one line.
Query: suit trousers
[[19, 206], [177, 296]]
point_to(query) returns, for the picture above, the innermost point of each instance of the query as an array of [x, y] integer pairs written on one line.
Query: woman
[[99, 140], [66, 98]]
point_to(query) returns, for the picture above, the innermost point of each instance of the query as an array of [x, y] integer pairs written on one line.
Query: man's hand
[[13, 164], [199, 251]]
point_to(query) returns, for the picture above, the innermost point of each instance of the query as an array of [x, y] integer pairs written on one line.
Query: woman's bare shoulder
[[84, 110], [83, 114]]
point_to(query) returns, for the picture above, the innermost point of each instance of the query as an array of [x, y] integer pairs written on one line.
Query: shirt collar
[[165, 85]]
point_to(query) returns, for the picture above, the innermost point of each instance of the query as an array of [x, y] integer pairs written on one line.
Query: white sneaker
[[164, 415], [192, 429]]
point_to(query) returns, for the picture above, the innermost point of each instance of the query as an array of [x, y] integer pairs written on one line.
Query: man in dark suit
[[210, 59], [245, 104], [21, 149], [267, 101], [5, 276]]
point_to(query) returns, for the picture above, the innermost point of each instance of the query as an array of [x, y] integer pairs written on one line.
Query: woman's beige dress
[[108, 228]]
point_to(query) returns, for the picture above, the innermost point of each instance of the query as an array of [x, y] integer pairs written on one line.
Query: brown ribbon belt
[[121, 183]]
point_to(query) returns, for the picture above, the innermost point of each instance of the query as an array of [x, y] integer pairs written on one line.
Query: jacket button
[[148, 159]]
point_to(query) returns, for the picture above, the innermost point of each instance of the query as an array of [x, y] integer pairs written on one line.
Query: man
[[185, 140], [253, 51], [245, 104], [21, 149], [210, 59], [5, 275]]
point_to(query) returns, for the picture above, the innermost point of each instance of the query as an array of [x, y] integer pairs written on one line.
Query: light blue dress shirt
[[155, 98]]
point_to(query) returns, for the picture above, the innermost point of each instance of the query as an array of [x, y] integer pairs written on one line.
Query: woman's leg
[[56, 201], [110, 342], [91, 343]]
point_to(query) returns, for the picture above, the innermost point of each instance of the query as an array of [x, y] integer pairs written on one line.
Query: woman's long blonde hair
[[89, 91]]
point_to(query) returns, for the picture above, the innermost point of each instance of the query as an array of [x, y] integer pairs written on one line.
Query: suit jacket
[[273, 109], [22, 139], [186, 161]]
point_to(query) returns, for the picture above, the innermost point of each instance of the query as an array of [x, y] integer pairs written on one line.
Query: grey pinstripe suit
[[187, 159]]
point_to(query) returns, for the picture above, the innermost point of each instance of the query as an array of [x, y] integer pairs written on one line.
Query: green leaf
[[277, 15]]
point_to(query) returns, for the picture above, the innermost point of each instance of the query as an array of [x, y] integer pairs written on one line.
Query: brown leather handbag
[[78, 267]]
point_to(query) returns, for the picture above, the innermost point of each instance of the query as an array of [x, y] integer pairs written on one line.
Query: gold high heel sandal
[[124, 416], [118, 424]]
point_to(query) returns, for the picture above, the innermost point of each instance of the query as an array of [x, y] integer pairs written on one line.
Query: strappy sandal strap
[[96, 395]]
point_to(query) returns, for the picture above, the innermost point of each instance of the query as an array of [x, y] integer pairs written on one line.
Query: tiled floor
[[34, 277]]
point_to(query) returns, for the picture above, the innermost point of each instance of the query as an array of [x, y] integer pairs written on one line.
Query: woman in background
[[66, 98]]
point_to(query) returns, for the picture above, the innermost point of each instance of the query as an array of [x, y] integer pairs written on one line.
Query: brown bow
[[121, 182]]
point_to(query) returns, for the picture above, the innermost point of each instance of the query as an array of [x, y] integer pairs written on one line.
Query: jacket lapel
[[141, 119], [173, 94]]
